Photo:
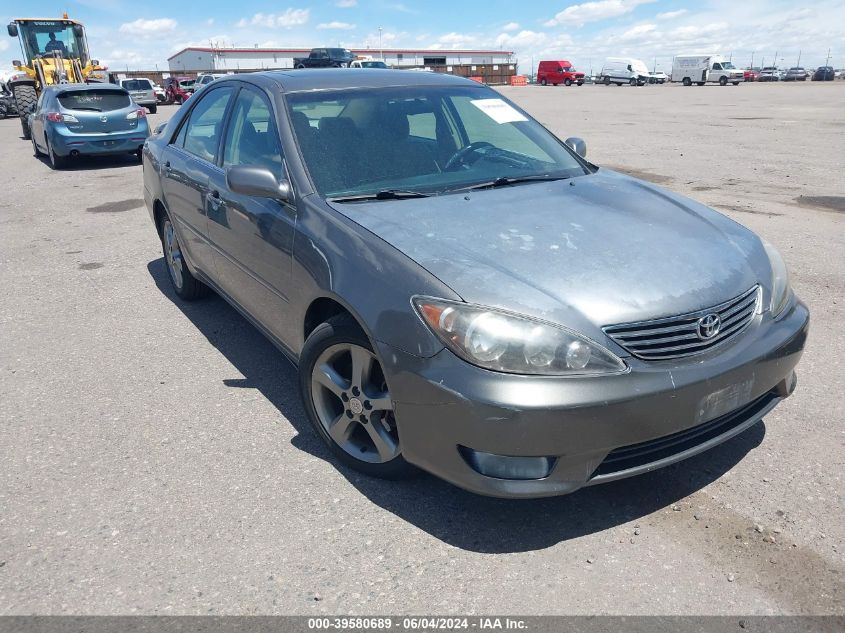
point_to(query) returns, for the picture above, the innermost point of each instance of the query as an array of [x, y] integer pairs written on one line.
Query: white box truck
[[623, 70], [701, 69]]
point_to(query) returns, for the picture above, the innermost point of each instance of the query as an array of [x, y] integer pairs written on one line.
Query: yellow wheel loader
[[55, 51]]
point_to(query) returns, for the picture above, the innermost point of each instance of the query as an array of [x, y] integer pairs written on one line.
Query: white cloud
[[4, 45], [523, 40], [286, 20], [346, 4], [456, 41], [140, 26], [209, 22], [510, 26], [638, 32], [671, 15], [341, 26], [580, 14]]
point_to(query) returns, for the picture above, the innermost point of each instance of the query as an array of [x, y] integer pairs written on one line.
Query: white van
[[623, 70], [700, 69]]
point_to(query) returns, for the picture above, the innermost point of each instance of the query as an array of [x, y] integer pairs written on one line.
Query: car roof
[[82, 87], [346, 78]]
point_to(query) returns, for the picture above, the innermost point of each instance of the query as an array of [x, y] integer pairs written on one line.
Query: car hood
[[591, 251]]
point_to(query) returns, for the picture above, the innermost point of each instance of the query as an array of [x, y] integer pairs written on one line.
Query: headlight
[[781, 289], [514, 344]]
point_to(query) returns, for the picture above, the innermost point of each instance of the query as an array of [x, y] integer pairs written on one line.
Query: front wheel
[[723, 81], [735, 83], [347, 399], [607, 81], [633, 81], [567, 82]]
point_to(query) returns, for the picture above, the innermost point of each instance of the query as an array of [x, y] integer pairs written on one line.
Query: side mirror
[[12, 29], [160, 128], [577, 145], [257, 181]]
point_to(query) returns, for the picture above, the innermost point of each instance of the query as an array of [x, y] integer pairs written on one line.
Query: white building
[[196, 59]]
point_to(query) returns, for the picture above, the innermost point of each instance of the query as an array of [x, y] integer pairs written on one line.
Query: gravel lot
[[156, 459]]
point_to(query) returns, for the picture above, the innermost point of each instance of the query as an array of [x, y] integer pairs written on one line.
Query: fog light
[[506, 467]]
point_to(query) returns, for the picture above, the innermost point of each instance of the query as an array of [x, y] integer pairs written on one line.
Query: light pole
[[827, 61], [381, 50]]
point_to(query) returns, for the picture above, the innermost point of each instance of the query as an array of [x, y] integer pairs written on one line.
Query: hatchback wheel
[[56, 161], [184, 283], [348, 401], [35, 150]]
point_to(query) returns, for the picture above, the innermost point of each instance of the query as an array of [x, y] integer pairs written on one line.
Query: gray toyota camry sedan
[[461, 291]]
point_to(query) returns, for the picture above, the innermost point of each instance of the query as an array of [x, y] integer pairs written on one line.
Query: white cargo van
[[623, 70], [700, 69]]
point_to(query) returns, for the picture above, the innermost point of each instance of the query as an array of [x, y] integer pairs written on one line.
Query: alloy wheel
[[353, 404], [173, 254]]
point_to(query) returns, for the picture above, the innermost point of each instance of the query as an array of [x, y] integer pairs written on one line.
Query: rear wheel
[[153, 109], [184, 283], [700, 83], [25, 98], [347, 399], [35, 150], [687, 81], [543, 82], [56, 161]]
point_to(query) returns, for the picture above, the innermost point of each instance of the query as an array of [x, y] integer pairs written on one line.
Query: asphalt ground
[[155, 458]]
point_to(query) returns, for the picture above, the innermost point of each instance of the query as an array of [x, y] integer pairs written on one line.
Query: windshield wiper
[[503, 181], [385, 194]]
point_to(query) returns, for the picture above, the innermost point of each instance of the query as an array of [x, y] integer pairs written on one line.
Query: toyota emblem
[[708, 326]]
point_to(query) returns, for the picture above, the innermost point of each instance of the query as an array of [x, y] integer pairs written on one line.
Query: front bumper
[[593, 429], [64, 142]]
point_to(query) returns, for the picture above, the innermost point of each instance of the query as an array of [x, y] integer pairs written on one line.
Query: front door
[[253, 237]]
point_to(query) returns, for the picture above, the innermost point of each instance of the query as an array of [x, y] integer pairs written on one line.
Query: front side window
[[203, 130], [717, 67], [251, 138], [433, 139]]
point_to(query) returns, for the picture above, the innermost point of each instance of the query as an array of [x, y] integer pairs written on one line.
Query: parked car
[[796, 73], [325, 58], [203, 79], [161, 94], [824, 73], [175, 92], [769, 73], [623, 70], [657, 77], [751, 74], [368, 63], [484, 303], [8, 105], [701, 69], [142, 92], [558, 72], [72, 120]]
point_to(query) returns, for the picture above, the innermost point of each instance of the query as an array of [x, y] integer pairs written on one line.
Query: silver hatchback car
[[463, 292]]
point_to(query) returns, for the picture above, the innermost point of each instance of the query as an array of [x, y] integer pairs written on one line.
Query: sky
[[127, 34]]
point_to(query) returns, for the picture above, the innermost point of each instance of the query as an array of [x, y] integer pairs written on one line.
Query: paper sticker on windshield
[[498, 110]]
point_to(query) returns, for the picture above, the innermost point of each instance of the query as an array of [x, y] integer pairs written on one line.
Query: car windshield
[[94, 100], [429, 139], [137, 84]]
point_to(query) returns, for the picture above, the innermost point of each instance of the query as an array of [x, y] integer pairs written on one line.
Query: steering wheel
[[459, 156]]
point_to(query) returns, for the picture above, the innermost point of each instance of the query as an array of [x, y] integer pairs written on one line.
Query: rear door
[[187, 164], [252, 238]]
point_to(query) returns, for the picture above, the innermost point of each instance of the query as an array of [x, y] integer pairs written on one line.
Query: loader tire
[[25, 98]]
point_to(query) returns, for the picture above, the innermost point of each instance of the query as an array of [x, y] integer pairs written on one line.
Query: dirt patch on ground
[[741, 209], [118, 206], [642, 174], [91, 266], [825, 203]]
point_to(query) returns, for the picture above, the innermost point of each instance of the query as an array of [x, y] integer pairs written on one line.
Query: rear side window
[[202, 132], [94, 100], [137, 84]]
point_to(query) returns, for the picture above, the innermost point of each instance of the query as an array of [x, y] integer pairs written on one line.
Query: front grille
[[674, 337], [644, 453]]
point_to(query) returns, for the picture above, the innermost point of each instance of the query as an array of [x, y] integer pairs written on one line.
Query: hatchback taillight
[[58, 117], [137, 114]]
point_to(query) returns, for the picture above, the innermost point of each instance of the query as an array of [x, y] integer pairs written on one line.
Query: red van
[[560, 72]]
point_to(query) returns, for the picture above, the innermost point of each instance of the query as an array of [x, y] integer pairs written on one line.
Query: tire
[[543, 82], [633, 81], [687, 81], [567, 82], [184, 284], [35, 151], [348, 401], [607, 81], [700, 83], [580, 83], [25, 98], [723, 81], [153, 108], [179, 100], [300, 66], [735, 83], [56, 162]]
